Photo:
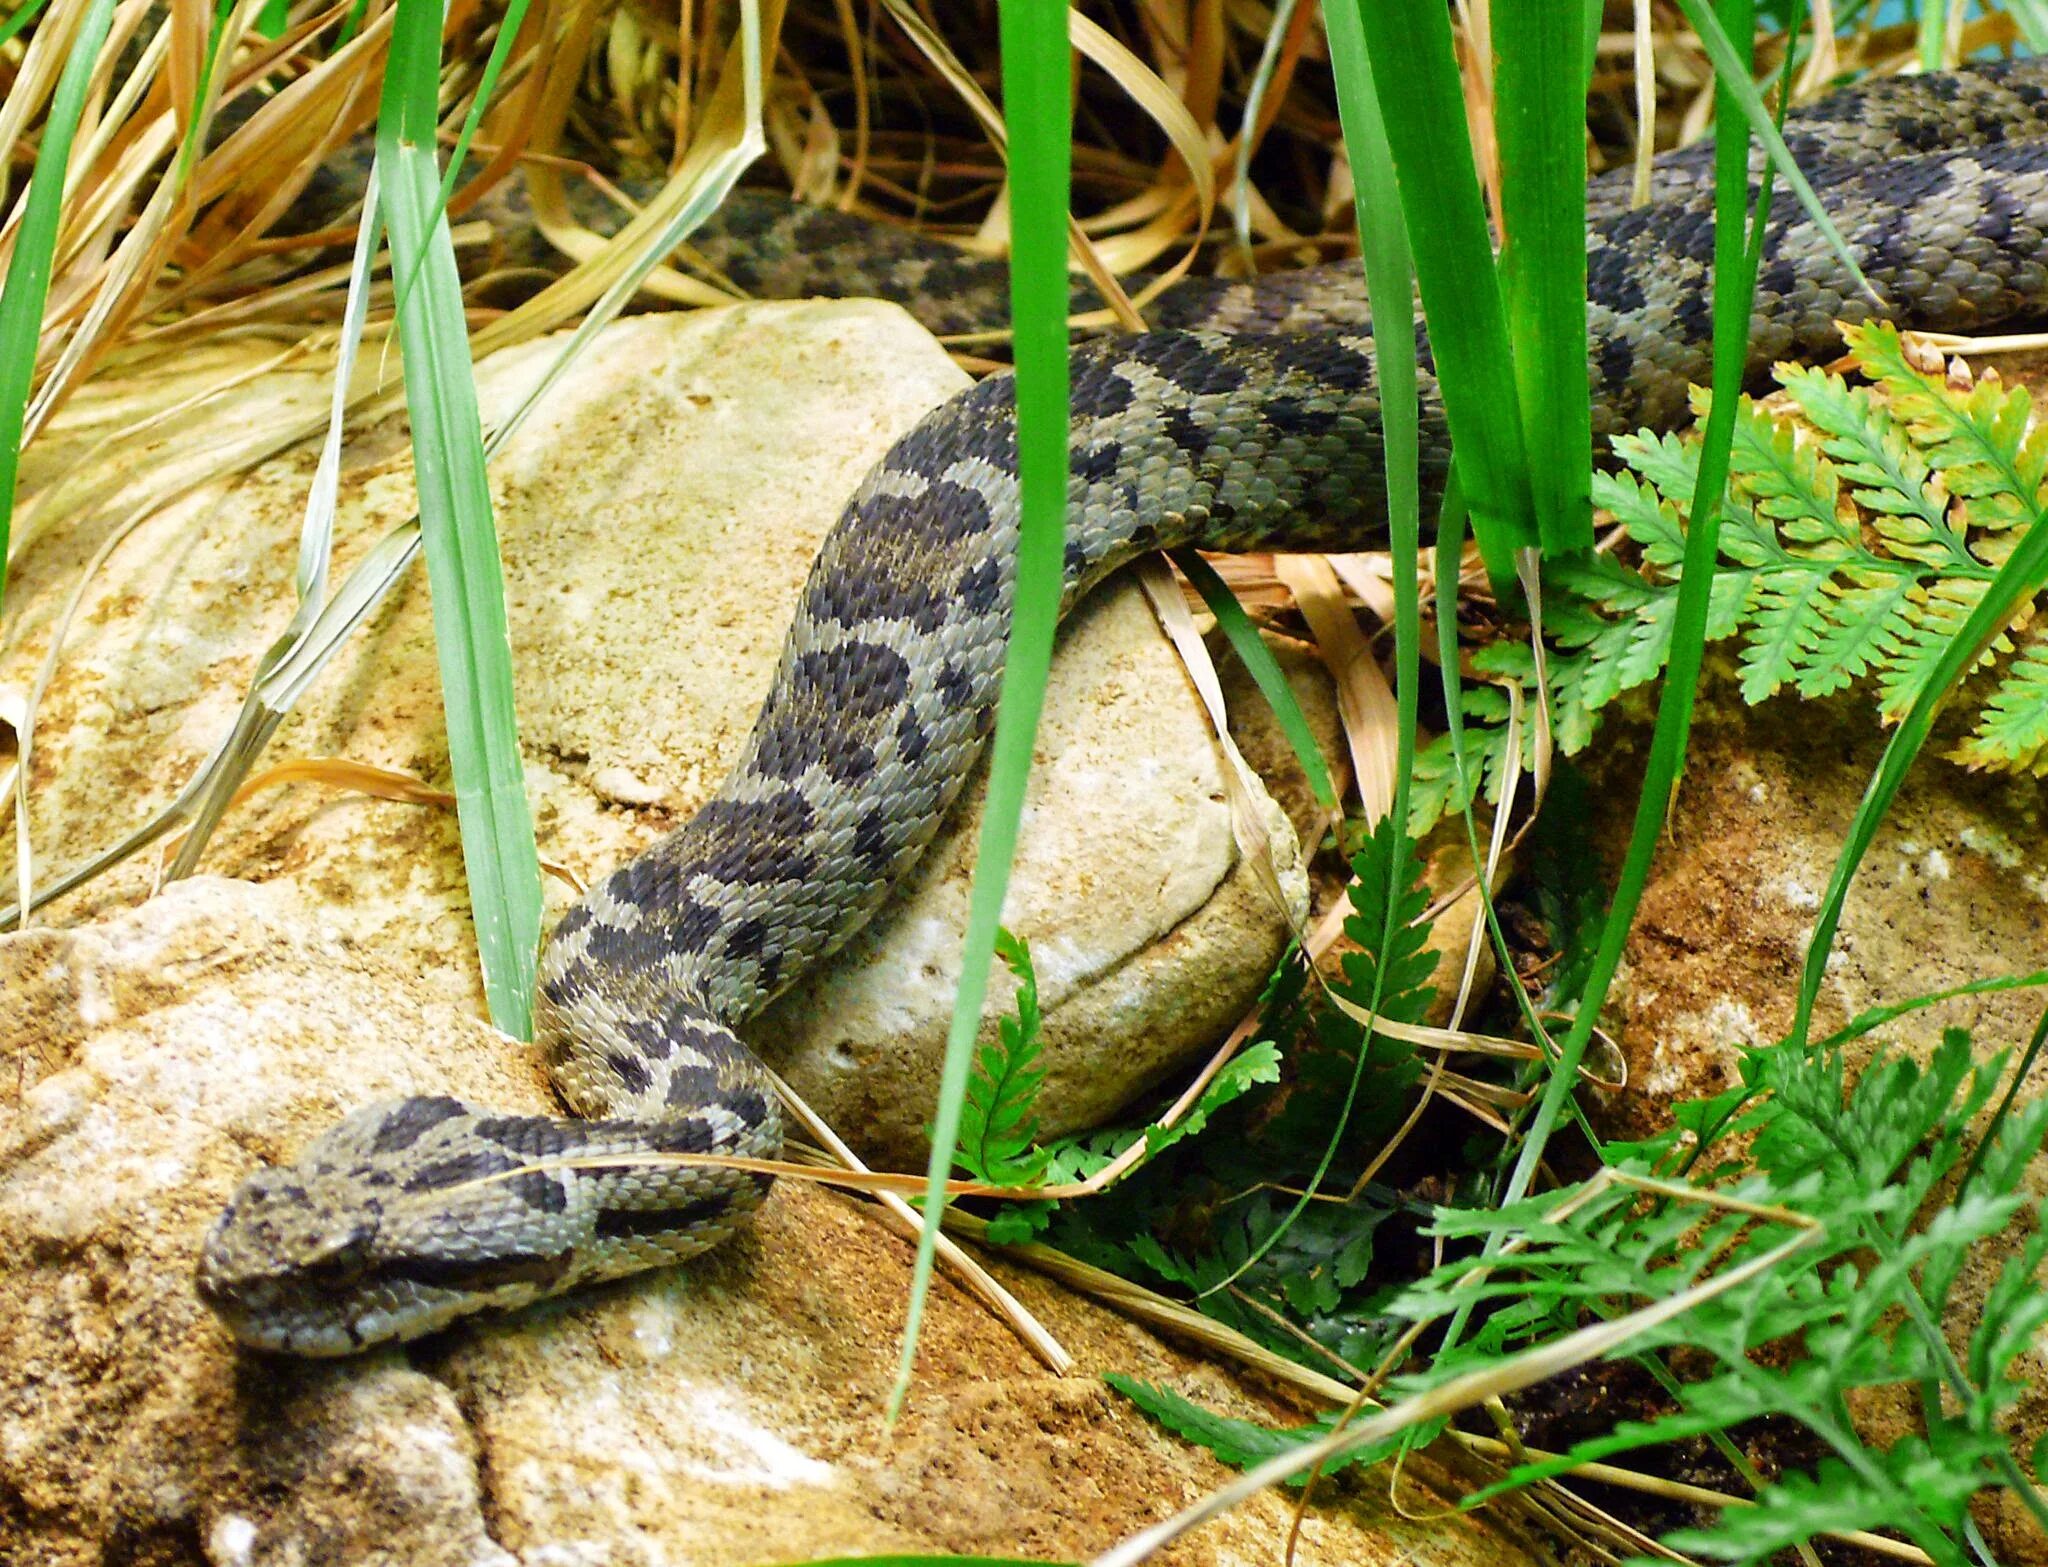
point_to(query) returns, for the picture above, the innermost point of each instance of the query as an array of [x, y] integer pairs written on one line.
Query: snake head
[[401, 1218], [282, 1259]]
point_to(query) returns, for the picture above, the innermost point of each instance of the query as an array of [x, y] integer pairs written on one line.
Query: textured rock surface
[[1955, 888], [722, 1413], [657, 519]]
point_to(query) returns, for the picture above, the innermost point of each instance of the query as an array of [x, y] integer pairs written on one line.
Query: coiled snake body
[[1252, 421]]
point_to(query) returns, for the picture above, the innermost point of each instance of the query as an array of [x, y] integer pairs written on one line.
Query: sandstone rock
[[1955, 888], [726, 1412], [656, 518]]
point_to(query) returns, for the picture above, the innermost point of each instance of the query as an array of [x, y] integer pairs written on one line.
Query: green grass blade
[[1383, 240], [28, 13], [2032, 19], [460, 538], [27, 288], [501, 50], [260, 715], [1264, 669], [1740, 94], [1933, 33], [1737, 252], [1423, 107], [1035, 64], [1540, 116]]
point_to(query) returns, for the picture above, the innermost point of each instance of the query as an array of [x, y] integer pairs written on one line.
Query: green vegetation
[[1861, 526]]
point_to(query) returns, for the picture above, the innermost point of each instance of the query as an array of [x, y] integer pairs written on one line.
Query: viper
[[1249, 418]]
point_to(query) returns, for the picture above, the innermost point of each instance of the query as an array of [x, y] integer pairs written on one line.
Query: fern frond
[[1792, 484], [1890, 479], [2012, 733], [1792, 616], [998, 1121], [1862, 630], [1935, 615], [1982, 440], [1857, 536]]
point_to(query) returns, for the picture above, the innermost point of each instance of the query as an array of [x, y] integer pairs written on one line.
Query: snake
[[1247, 416]]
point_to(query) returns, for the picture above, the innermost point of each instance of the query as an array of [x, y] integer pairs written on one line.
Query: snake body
[[1250, 419]]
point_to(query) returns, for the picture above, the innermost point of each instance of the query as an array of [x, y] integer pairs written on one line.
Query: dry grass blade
[[1252, 811], [1364, 700], [906, 1220], [936, 50]]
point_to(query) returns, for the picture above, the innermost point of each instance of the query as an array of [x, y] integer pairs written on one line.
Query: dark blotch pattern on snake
[[1252, 421]]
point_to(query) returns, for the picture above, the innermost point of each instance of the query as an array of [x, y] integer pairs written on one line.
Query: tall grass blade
[[1422, 103], [729, 143], [501, 50], [1265, 670], [1738, 250], [1540, 117], [259, 717], [1035, 109], [2024, 574], [1390, 290], [22, 17], [460, 538], [27, 287], [1738, 94], [494, 65]]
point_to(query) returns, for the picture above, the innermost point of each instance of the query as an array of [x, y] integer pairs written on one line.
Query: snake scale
[[1250, 418]]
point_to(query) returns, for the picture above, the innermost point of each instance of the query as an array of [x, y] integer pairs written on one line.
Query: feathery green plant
[[1255, 1257], [999, 1120], [1833, 1195], [1862, 525]]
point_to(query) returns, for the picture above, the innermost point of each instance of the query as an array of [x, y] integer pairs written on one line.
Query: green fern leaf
[[1862, 629], [1889, 477], [1935, 617], [2012, 731], [1240, 1443], [1258, 1063], [997, 1121], [1398, 966], [1792, 484], [1978, 439], [1911, 1484], [1790, 618], [1670, 464]]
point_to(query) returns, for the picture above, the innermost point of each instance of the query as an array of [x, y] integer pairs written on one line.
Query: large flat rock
[[657, 517]]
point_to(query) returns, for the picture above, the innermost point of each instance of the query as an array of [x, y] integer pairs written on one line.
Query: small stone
[[623, 787]]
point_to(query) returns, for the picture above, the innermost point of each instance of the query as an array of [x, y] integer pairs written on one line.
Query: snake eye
[[339, 1255]]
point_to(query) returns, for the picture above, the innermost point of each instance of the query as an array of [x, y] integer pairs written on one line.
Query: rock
[[656, 519], [1954, 889], [726, 1412]]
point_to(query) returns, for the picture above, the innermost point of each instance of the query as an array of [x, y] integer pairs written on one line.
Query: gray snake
[[1250, 418]]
